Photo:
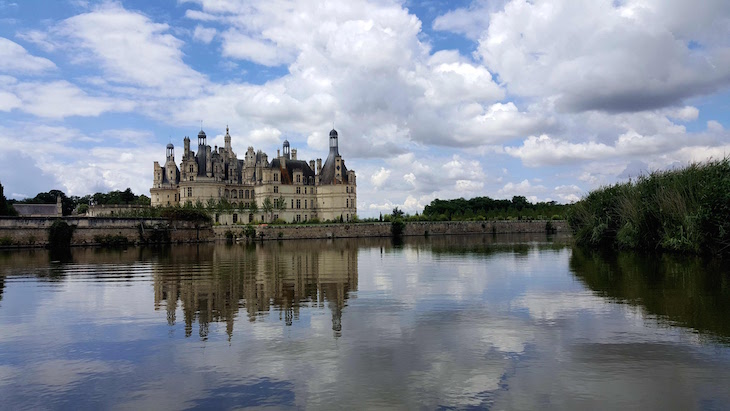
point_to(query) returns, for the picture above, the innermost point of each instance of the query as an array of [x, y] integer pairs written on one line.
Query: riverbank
[[685, 210], [94, 231]]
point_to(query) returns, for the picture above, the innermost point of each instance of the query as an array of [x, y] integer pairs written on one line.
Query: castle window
[[299, 203], [191, 168], [305, 190], [246, 193], [276, 189], [190, 191], [235, 218], [299, 190], [216, 218], [305, 217], [305, 203], [347, 203], [292, 203], [276, 177], [276, 216], [299, 218], [240, 194], [299, 178]]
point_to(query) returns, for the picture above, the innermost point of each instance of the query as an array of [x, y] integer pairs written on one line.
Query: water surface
[[491, 322]]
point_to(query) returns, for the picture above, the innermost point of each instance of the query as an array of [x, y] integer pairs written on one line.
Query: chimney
[[311, 164], [278, 154], [293, 153], [319, 166]]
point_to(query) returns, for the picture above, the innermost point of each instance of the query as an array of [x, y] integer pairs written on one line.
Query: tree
[[397, 213], [5, 208], [268, 207], [280, 203]]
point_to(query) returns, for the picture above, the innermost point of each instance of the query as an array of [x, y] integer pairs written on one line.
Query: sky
[[431, 99]]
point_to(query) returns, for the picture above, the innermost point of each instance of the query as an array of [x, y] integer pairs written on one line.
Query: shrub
[[60, 234]]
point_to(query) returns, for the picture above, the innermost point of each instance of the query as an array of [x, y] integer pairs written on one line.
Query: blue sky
[[432, 99]]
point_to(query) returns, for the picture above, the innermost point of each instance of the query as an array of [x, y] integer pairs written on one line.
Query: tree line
[[71, 203]]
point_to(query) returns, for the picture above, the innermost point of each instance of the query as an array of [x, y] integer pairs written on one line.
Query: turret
[[201, 139], [286, 149], [333, 143]]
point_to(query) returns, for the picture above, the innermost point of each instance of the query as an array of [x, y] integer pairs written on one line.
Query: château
[[258, 190]]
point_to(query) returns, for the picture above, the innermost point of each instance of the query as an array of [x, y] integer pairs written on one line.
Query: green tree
[[268, 207], [5, 207]]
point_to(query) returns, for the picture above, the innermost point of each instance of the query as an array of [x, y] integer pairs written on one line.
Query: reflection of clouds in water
[[60, 375], [551, 306], [8, 374]]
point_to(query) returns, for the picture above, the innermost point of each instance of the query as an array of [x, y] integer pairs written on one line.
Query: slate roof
[[327, 176], [291, 166]]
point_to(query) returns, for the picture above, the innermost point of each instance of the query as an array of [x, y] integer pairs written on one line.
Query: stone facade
[[297, 190]]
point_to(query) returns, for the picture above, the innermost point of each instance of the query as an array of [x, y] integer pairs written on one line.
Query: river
[[483, 322]]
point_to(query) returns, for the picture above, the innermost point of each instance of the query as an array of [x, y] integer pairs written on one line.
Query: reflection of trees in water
[[688, 291], [214, 284]]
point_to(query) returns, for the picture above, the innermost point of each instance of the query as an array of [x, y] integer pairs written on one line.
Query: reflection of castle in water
[[215, 284]]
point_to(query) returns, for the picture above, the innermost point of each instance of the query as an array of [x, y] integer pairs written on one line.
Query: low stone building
[[40, 210], [260, 190]]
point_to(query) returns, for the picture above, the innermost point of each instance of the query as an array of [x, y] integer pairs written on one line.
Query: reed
[[684, 210]]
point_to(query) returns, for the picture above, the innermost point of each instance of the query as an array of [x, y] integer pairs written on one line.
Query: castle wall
[[33, 231], [361, 230]]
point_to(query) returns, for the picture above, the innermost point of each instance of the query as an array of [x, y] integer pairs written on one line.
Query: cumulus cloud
[[16, 59], [379, 178], [610, 56], [204, 34], [130, 49]]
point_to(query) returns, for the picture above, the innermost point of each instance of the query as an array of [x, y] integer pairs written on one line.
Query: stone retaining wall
[[291, 232], [33, 231]]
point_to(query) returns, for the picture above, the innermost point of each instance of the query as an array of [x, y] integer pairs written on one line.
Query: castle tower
[[286, 150], [170, 153], [333, 143]]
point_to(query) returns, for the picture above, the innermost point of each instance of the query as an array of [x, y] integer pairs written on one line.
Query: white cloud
[[130, 49], [610, 56], [523, 188], [61, 99], [544, 150], [16, 59], [380, 178], [204, 34]]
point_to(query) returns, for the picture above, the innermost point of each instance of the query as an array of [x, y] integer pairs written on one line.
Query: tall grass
[[685, 210]]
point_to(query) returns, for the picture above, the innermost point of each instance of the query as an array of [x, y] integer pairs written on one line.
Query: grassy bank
[[685, 210]]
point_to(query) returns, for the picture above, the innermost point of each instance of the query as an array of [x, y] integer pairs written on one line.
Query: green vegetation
[[59, 235], [81, 204], [485, 208], [5, 207], [684, 210]]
